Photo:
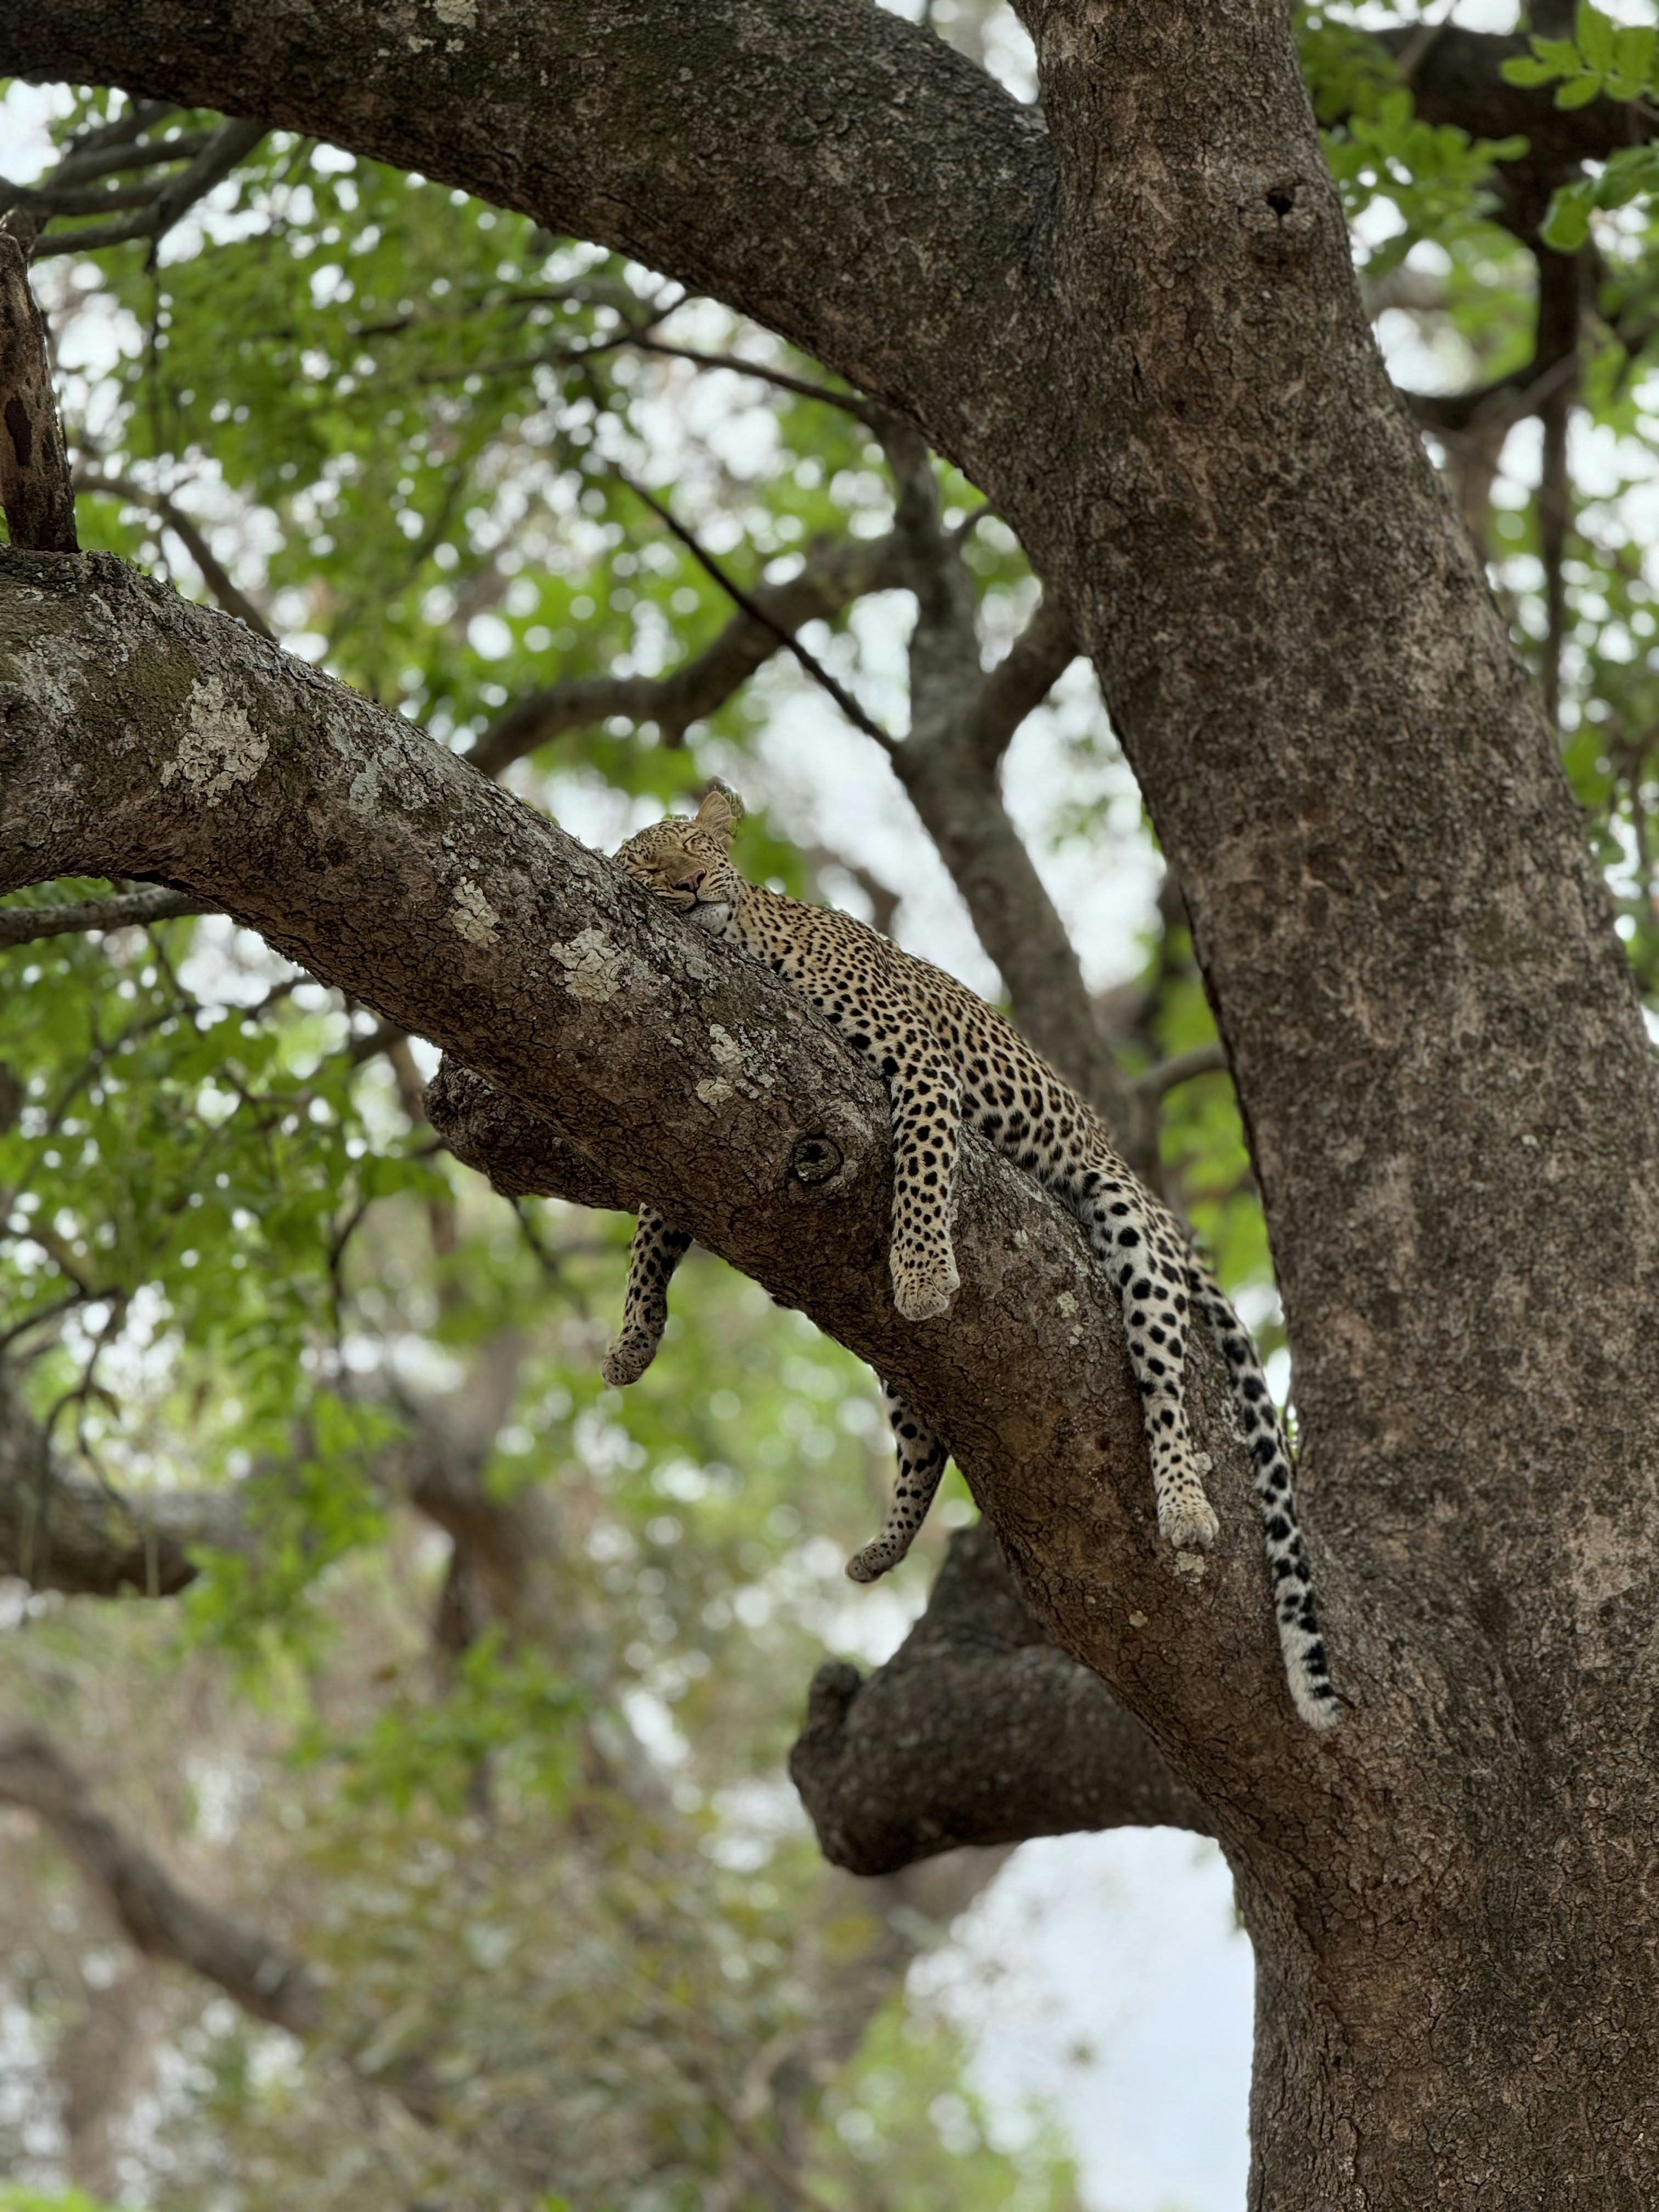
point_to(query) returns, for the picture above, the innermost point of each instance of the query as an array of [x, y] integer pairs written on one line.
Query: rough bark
[[1133, 321], [34, 479]]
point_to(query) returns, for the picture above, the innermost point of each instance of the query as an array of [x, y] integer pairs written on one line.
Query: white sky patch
[[1105, 1977]]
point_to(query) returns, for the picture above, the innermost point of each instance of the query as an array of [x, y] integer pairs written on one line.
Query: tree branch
[[26, 925], [961, 722], [34, 481], [61, 1532], [160, 1917], [169, 203], [1181, 1068], [1020, 682], [978, 1730], [970, 168], [519, 1148], [849, 403], [382, 864], [757, 613], [832, 578], [1459, 79]]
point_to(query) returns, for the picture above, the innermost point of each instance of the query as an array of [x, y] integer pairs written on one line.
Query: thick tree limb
[[522, 106], [522, 1151], [159, 1916], [978, 1730], [1133, 321], [1160, 489]]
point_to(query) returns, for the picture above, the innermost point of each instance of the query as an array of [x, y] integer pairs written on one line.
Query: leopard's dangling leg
[[925, 1102], [924, 1098], [655, 1253], [921, 1458], [1146, 1268]]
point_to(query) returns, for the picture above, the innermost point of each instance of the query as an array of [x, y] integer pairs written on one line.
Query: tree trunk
[[1132, 320]]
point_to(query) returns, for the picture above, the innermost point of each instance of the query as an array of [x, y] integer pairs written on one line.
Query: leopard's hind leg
[[655, 1253], [1146, 1266], [921, 1458]]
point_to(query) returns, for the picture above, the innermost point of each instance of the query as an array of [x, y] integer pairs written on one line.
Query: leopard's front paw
[[922, 1291]]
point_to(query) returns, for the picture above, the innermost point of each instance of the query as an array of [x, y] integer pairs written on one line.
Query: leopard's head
[[688, 861]]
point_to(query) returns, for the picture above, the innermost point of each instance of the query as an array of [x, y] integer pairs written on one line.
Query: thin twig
[[773, 2168], [213, 574], [820, 675], [848, 402], [26, 925], [1181, 1068]]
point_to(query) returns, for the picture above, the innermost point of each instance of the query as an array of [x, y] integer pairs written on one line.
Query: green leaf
[[1567, 225], [1561, 54], [1593, 35], [1527, 69], [1633, 49], [1579, 93]]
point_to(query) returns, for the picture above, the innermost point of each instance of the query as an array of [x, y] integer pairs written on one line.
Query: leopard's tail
[[1299, 1638]]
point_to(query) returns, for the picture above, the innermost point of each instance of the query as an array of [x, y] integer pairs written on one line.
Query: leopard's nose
[[694, 883]]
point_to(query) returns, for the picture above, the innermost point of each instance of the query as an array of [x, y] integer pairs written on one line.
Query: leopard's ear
[[720, 812]]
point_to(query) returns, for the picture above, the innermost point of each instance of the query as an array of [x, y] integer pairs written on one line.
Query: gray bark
[[1135, 326]]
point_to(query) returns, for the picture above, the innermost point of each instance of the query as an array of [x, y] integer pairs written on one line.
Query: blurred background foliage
[[530, 1826]]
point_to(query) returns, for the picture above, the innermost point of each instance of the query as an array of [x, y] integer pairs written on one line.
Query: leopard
[[951, 1062]]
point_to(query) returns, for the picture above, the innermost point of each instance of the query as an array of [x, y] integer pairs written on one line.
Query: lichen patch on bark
[[471, 913], [594, 966], [219, 748]]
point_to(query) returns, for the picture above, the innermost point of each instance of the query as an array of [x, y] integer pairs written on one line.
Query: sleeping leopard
[[946, 1057]]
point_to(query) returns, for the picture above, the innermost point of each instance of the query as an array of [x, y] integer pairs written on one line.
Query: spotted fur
[[947, 1058]]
